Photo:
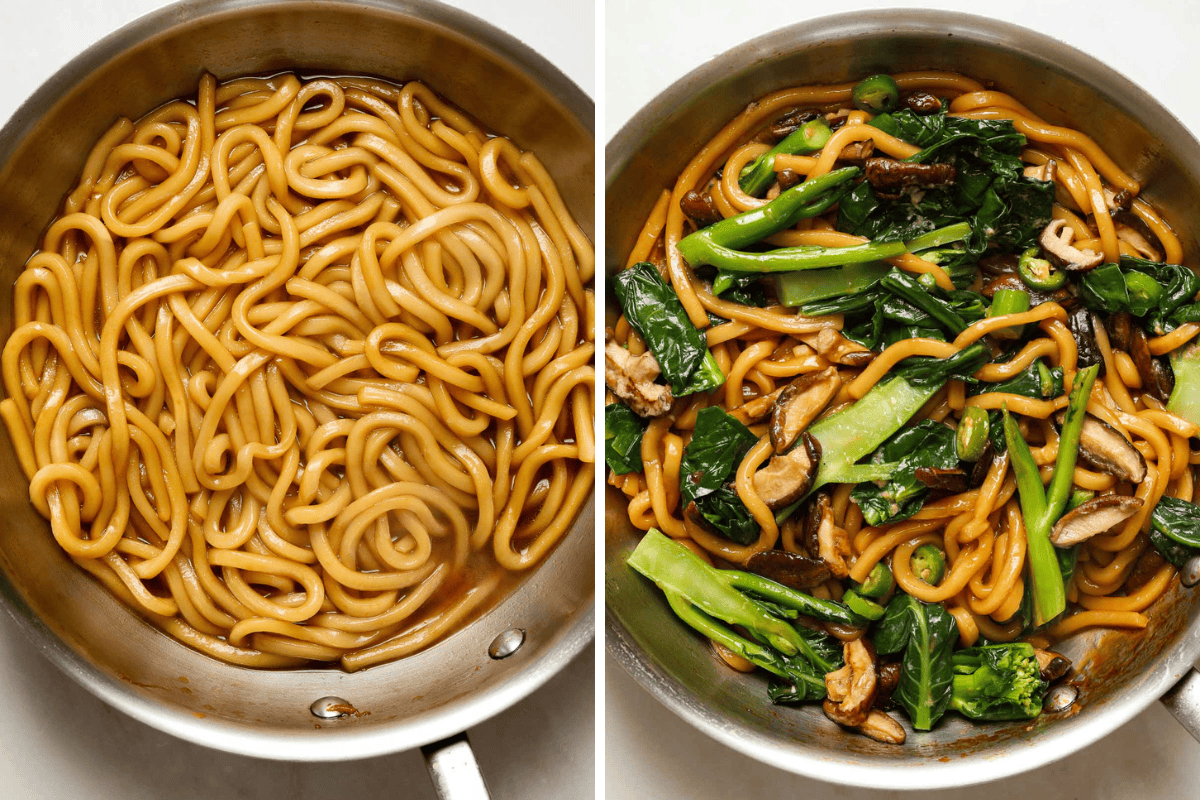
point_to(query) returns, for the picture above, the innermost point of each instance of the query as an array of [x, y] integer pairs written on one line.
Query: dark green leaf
[[1178, 520], [926, 444], [709, 462], [654, 311], [926, 633], [623, 430]]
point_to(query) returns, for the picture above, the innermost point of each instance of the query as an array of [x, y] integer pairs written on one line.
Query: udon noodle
[[760, 350], [303, 369]]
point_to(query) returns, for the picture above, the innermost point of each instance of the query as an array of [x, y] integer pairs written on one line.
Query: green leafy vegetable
[[898, 297], [706, 472], [1178, 520], [654, 311], [997, 682], [1159, 295], [926, 444], [926, 633], [1005, 209], [623, 430], [709, 600]]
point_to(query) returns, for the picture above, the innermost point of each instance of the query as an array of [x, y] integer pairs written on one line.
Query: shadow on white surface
[[58, 741], [1149, 758]]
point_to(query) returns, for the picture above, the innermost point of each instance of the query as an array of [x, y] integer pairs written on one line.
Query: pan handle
[[1183, 701], [454, 770]]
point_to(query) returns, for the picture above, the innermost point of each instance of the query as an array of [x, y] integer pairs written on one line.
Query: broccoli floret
[[997, 682]]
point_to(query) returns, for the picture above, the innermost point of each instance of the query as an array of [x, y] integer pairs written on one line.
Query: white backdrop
[[57, 741], [649, 45]]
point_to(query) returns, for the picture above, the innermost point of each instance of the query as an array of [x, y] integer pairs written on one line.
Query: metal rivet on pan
[[1189, 576], [330, 708], [1061, 698], [507, 643]]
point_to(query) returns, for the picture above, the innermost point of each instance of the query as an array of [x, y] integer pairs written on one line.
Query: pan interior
[[71, 618], [1119, 673]]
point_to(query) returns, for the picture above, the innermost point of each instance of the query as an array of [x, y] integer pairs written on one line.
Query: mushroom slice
[[1144, 569], [798, 571], [851, 689], [890, 174], [787, 478], [1056, 240], [799, 404], [889, 678], [858, 152], [824, 538], [1156, 378], [832, 345], [1044, 172], [1051, 665], [1137, 241], [1097, 515], [700, 208], [949, 480], [1117, 201], [882, 728], [753, 411], [1102, 446], [632, 379]]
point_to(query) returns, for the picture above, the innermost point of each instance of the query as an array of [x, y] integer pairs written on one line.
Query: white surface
[[57, 741], [649, 45]]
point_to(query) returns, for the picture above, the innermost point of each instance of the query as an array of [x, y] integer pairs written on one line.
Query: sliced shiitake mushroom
[[1120, 330], [1097, 515], [889, 679], [1145, 568], [1082, 324], [700, 208], [1056, 241], [787, 178], [800, 572], [787, 477], [922, 103], [890, 174], [788, 124], [1051, 665], [799, 404], [980, 470], [882, 728], [851, 689], [837, 348], [950, 480], [1102, 447], [632, 379], [1156, 379]]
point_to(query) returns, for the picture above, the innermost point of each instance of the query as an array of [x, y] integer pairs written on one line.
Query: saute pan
[[1118, 674], [72, 620]]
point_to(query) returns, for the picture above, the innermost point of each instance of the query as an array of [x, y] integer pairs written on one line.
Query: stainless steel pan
[[475, 673], [1119, 674]]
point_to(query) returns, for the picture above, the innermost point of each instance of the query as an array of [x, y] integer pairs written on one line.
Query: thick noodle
[[303, 370]]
